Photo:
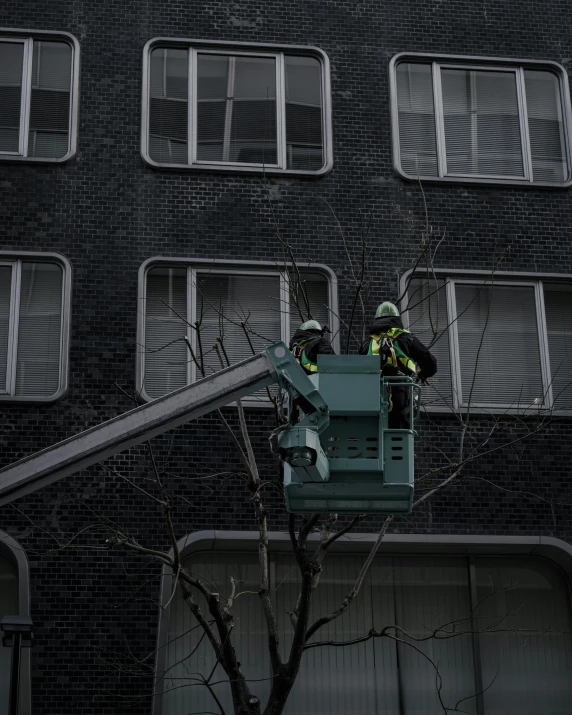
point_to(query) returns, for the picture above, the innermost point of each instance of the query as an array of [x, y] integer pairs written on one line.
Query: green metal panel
[[349, 384], [353, 443], [348, 497], [398, 450], [358, 485]]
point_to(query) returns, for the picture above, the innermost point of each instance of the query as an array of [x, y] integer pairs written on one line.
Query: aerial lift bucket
[[362, 466]]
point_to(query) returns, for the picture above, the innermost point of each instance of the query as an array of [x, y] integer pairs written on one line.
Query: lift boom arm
[[98, 443]]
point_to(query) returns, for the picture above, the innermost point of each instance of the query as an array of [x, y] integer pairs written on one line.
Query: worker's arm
[[325, 347], [322, 346], [421, 355]]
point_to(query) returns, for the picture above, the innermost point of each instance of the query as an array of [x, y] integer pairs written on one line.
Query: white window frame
[[14, 552], [15, 260], [452, 278], [518, 67], [196, 267], [556, 552], [278, 52], [27, 37]]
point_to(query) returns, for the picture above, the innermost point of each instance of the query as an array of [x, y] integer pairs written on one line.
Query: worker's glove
[[420, 378]]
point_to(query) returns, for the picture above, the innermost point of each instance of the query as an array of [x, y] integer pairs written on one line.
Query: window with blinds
[[189, 310], [558, 307], [8, 607], [428, 320], [496, 121], [36, 98], [32, 332], [494, 601], [243, 109], [166, 357], [236, 109], [498, 344]]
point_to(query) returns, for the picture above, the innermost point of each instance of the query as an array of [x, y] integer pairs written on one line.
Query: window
[[38, 96], [500, 344], [34, 306], [8, 606], [246, 306], [236, 108], [480, 120], [490, 670], [14, 601]]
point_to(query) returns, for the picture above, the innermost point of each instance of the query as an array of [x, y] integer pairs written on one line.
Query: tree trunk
[[281, 688], [245, 703]]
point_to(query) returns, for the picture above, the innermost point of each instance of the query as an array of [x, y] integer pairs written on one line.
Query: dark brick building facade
[[106, 211]]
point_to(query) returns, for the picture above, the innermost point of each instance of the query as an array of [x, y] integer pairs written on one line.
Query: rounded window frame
[[555, 552], [48, 257], [494, 63], [15, 554], [249, 48], [71, 40]]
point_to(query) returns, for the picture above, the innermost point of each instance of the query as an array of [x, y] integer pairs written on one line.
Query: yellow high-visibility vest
[[307, 364], [392, 334]]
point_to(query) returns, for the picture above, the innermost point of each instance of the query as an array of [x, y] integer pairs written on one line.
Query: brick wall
[[107, 212]]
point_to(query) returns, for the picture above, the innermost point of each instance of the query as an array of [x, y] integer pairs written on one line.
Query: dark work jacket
[[410, 345], [313, 344]]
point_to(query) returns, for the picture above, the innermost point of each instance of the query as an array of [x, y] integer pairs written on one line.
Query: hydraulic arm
[[94, 445], [337, 450]]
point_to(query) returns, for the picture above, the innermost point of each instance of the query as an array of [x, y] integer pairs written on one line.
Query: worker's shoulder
[[326, 347], [410, 337]]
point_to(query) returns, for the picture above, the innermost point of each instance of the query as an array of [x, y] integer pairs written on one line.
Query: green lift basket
[[344, 458]]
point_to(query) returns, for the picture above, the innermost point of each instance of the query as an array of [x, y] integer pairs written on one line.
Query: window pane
[[168, 106], [529, 670], [48, 144], [166, 353], [11, 68], [5, 292], [558, 306], [428, 321], [8, 607], [428, 594], [187, 654], [498, 345], [39, 330], [380, 676], [50, 100], [303, 113], [545, 126], [417, 142], [388, 680], [224, 302], [312, 293], [482, 129], [334, 680], [236, 110]]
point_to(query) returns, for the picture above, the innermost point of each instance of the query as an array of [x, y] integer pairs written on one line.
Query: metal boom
[[129, 429]]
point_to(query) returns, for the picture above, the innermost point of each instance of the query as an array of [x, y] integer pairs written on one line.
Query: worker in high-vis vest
[[307, 343], [400, 353]]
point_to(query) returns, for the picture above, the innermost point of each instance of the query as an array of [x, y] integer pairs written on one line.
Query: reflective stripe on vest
[[392, 335], [307, 364]]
